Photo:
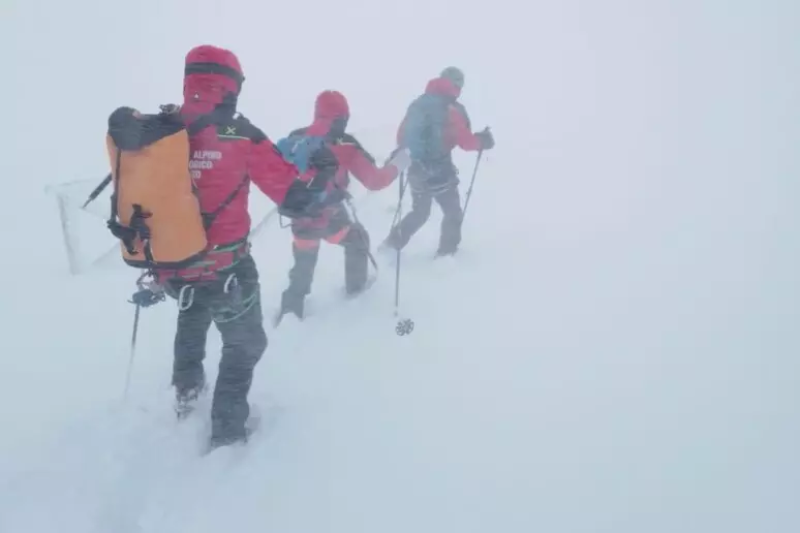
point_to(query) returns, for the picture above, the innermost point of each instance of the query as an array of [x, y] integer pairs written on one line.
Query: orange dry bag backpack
[[154, 209]]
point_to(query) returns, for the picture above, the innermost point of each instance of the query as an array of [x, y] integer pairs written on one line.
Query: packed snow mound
[[533, 392]]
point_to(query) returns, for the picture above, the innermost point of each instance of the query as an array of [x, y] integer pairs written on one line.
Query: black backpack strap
[[349, 139], [217, 117], [112, 219], [137, 227], [222, 115], [208, 218]]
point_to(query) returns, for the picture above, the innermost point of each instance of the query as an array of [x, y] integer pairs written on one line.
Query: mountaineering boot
[[444, 251], [294, 303], [387, 247], [447, 245], [215, 443], [219, 439], [352, 293], [301, 276], [227, 440], [186, 400]]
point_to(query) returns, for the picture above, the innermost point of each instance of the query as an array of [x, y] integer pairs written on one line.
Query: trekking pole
[[406, 325], [397, 215], [471, 185], [133, 352], [398, 211], [148, 294]]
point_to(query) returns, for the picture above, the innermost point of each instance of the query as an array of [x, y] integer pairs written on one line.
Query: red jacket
[[226, 155], [226, 158], [331, 112], [457, 131], [231, 153], [353, 159]]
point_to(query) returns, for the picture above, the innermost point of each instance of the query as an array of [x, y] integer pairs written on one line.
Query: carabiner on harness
[[233, 289], [183, 304], [230, 281]]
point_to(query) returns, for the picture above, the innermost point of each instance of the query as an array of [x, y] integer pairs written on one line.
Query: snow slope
[[616, 350]]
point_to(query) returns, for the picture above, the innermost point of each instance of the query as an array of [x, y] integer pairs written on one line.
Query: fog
[[617, 349]]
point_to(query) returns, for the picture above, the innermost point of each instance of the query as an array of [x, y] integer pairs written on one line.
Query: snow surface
[[616, 350]]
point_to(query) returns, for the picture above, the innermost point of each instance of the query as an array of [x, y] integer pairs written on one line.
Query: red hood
[[443, 86], [211, 75], [330, 105]]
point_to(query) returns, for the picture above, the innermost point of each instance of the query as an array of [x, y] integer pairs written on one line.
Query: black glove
[[170, 109], [486, 138]]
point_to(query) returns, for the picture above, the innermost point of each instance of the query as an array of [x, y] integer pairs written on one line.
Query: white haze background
[[616, 350]]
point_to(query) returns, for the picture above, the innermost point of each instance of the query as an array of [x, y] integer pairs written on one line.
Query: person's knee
[[421, 211], [258, 343], [451, 207], [305, 250], [363, 235], [422, 203], [245, 352], [190, 339], [357, 239], [453, 217], [243, 332], [305, 262]]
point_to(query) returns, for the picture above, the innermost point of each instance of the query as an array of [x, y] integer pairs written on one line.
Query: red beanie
[[331, 105], [207, 59]]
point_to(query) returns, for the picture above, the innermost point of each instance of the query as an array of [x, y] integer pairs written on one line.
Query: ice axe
[[97, 190]]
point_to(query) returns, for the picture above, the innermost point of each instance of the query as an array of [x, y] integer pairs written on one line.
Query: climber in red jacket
[[227, 154], [334, 223]]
